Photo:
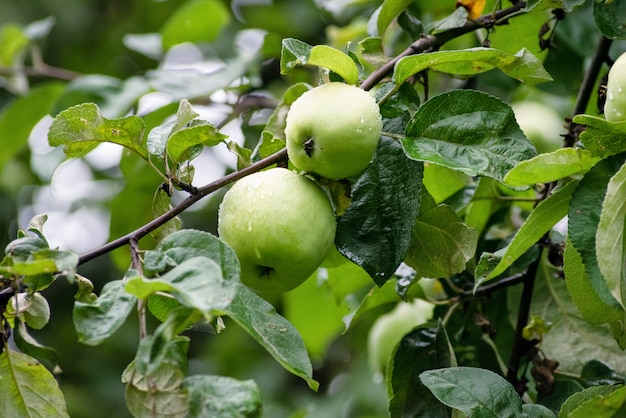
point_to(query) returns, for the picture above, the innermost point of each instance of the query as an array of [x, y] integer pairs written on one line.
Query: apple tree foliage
[[521, 254]]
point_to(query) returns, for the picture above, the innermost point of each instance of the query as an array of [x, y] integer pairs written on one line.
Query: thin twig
[[141, 303], [519, 344], [182, 206]]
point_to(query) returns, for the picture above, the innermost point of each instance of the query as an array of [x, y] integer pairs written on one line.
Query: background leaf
[[18, 119], [195, 21], [568, 337], [221, 396]]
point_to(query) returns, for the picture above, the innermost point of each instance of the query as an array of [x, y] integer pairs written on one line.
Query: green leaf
[[96, 321], [389, 10], [13, 42], [601, 137], [189, 243], [541, 219], [296, 52], [375, 230], [165, 346], [18, 118], [186, 144], [610, 16], [183, 245], [27, 389], [570, 334], [468, 131], [193, 83], [29, 346], [277, 335], [195, 21], [196, 283], [522, 66], [81, 128], [377, 297], [220, 396], [548, 167], [457, 387], [537, 411], [158, 395], [567, 5], [457, 19], [597, 401], [441, 243], [420, 350], [583, 219], [610, 235], [85, 290], [32, 308]]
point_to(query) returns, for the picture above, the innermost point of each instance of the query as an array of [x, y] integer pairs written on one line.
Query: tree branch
[[433, 42], [182, 206], [520, 345]]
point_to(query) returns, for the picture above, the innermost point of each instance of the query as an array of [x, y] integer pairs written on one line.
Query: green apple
[[615, 106], [540, 123], [388, 330], [333, 130], [281, 226]]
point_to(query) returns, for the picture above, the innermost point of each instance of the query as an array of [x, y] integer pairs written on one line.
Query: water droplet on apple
[[249, 226]]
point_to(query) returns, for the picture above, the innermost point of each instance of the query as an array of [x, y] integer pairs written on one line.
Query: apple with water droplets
[[615, 106], [333, 130], [280, 224]]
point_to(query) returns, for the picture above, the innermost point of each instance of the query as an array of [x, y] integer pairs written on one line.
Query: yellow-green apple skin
[[615, 105], [388, 330], [333, 130], [281, 226]]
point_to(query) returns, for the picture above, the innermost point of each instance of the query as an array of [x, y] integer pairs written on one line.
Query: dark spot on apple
[[308, 146], [265, 271]]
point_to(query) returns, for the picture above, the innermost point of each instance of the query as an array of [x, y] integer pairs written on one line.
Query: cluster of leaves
[[439, 199]]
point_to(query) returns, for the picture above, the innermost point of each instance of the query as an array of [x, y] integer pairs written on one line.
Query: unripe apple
[[540, 123], [333, 130], [615, 106], [388, 330], [281, 226]]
